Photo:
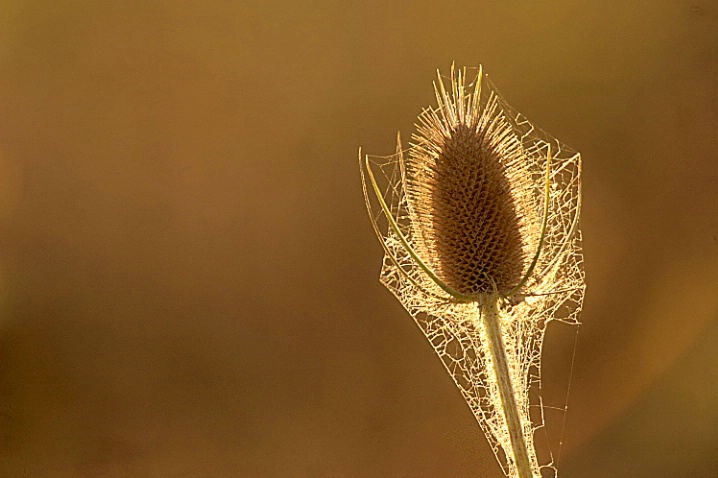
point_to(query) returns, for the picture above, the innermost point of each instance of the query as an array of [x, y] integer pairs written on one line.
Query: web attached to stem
[[553, 292]]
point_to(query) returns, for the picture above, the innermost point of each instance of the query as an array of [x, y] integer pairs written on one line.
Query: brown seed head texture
[[468, 188]]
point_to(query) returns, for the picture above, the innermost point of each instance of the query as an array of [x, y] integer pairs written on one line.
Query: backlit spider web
[[554, 291]]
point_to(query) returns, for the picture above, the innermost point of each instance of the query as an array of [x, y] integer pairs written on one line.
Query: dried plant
[[479, 224]]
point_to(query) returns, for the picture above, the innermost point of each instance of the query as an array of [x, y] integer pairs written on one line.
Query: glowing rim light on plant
[[481, 164]]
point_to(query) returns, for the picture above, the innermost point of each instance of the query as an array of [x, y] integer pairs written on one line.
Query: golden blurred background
[[188, 277]]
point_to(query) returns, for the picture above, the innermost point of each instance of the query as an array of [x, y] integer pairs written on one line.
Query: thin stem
[[490, 319]]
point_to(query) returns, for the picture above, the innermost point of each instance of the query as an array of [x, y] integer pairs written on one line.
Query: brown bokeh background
[[188, 279]]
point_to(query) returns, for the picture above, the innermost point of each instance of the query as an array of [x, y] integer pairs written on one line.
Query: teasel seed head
[[469, 192]]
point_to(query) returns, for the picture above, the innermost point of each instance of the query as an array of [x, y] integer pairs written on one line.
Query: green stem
[[490, 319]]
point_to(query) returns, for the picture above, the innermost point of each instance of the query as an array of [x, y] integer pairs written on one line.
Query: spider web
[[554, 292]]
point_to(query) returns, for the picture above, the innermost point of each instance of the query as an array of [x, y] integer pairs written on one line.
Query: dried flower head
[[479, 225], [468, 187]]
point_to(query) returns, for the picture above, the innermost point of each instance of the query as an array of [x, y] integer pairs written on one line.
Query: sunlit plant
[[479, 221]]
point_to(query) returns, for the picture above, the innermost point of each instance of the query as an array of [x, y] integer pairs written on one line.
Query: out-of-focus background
[[188, 278]]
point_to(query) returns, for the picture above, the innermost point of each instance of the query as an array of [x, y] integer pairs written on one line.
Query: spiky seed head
[[467, 187]]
